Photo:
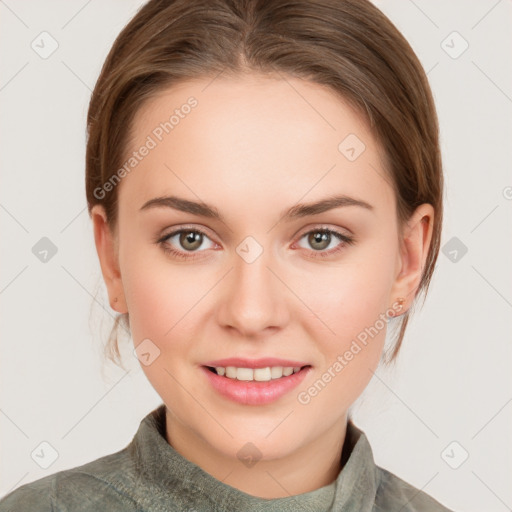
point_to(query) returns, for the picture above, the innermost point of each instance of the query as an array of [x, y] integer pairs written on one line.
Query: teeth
[[244, 373], [276, 372], [262, 374], [257, 374]]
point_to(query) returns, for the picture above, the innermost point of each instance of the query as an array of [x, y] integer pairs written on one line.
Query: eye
[[321, 238], [187, 240], [185, 243]]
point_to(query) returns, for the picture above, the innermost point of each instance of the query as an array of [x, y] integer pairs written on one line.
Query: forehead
[[256, 137]]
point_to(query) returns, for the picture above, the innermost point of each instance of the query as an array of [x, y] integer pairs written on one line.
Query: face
[[255, 282]]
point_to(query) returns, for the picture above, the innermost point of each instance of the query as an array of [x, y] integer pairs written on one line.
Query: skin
[[253, 147]]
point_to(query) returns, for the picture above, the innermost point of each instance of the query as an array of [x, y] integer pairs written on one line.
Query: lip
[[263, 362], [254, 392]]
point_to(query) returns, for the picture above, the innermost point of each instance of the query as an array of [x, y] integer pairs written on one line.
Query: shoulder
[[102, 484], [393, 493]]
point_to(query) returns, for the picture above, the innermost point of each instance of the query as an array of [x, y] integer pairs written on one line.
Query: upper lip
[[263, 362]]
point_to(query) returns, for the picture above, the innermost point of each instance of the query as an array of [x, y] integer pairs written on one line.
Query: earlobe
[[413, 254], [108, 258]]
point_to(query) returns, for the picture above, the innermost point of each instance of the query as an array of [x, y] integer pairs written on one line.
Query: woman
[[265, 185]]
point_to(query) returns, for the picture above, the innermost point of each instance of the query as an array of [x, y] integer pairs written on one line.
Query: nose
[[254, 298]]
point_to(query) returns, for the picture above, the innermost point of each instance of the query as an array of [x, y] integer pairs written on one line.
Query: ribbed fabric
[[149, 475]]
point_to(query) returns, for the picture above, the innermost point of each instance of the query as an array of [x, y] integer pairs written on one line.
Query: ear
[[415, 244], [106, 247]]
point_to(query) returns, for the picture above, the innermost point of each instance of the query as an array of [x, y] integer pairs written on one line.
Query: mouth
[[255, 386], [264, 374]]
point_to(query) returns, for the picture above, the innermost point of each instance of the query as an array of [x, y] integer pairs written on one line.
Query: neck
[[315, 464]]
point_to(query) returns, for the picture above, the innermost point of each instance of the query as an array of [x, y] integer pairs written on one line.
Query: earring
[[399, 308]]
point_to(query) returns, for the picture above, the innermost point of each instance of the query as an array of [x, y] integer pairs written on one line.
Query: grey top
[[149, 475]]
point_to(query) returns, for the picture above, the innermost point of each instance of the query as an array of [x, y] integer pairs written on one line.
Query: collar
[[172, 476]]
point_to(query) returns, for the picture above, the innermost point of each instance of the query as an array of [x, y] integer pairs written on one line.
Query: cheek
[[161, 299], [349, 322], [349, 331], [157, 292], [350, 296]]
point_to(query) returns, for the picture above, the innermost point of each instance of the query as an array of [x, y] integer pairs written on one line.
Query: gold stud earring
[[399, 308]]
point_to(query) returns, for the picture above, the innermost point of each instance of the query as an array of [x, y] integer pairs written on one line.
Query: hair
[[350, 46]]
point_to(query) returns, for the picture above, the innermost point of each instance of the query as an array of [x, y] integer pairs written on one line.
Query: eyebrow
[[295, 212]]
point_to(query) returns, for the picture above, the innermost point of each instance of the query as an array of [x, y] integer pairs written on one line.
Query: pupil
[[192, 238], [319, 237]]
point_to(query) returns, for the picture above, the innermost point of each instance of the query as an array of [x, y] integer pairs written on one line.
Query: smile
[[254, 386], [255, 374]]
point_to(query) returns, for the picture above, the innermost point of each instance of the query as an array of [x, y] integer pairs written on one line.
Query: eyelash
[[347, 240]]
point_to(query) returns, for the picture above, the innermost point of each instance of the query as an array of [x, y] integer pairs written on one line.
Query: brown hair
[[348, 45]]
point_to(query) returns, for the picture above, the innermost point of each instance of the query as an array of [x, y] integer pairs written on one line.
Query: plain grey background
[[441, 420]]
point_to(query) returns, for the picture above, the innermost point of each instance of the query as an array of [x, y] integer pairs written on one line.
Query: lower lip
[[254, 392]]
